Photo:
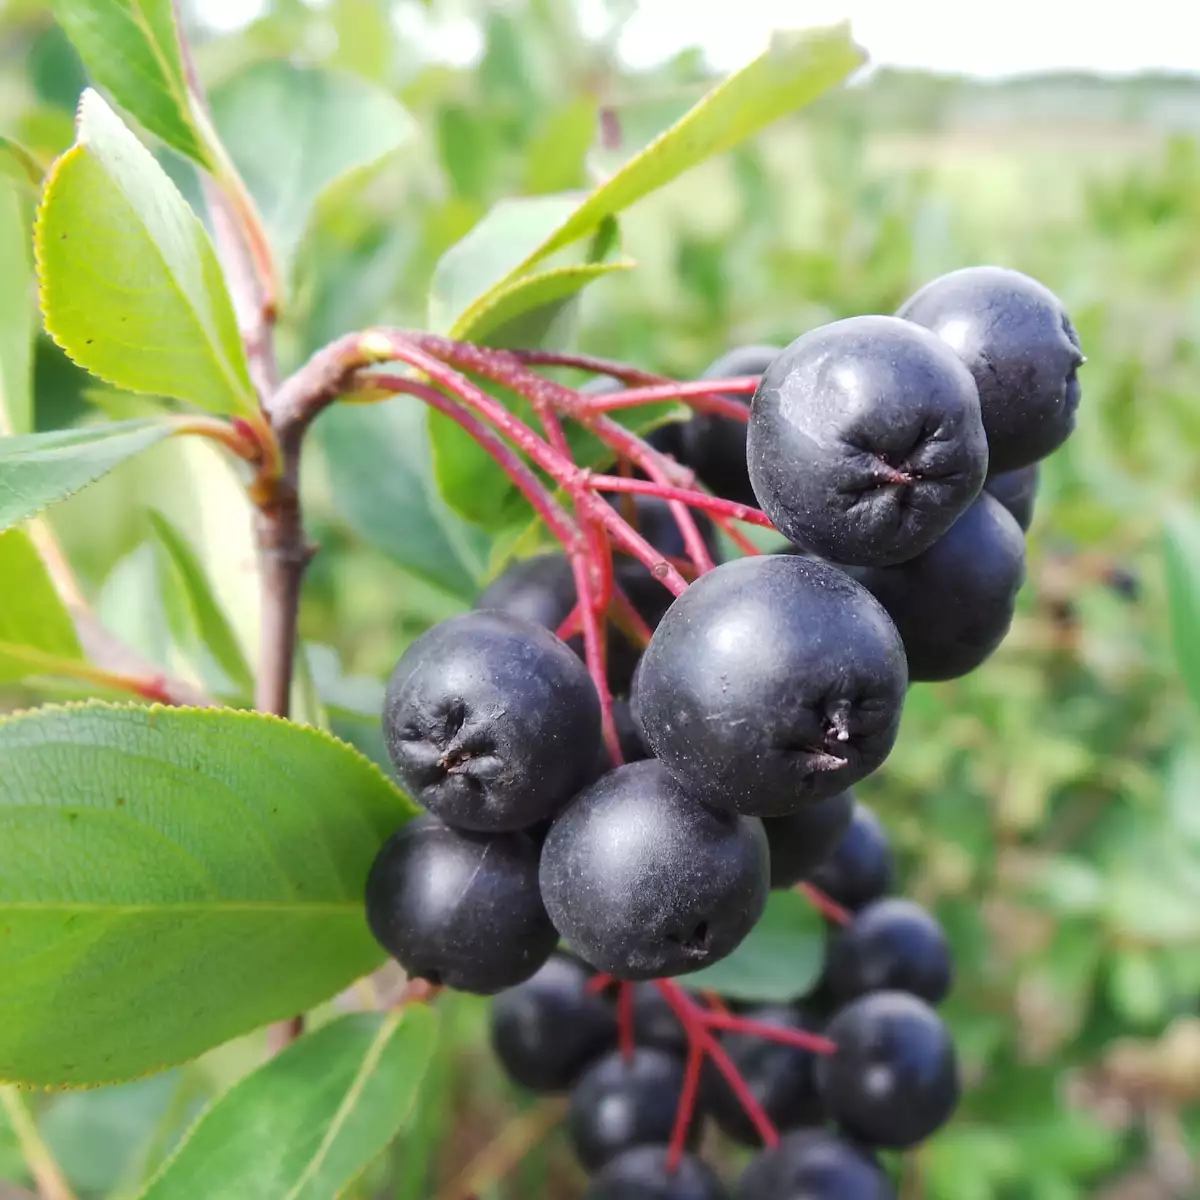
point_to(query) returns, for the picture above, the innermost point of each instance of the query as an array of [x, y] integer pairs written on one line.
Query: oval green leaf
[[796, 69], [130, 285], [39, 469], [486, 260], [295, 131], [305, 1125], [171, 878], [32, 617], [778, 962], [131, 47]]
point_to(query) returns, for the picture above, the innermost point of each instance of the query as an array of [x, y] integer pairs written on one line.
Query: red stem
[[773, 1033], [625, 1031], [704, 395], [710, 504], [628, 539], [693, 1019], [599, 983], [551, 512], [629, 620], [686, 1109], [735, 535], [825, 905], [591, 364]]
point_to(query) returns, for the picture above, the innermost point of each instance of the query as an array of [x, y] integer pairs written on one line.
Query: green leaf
[[778, 962], [16, 316], [1181, 553], [535, 293], [796, 69], [294, 131], [131, 47], [379, 468], [487, 259], [39, 469], [21, 166], [32, 617], [205, 621], [305, 1125], [171, 878], [130, 284]]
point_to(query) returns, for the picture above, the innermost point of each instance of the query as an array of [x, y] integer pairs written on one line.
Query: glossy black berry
[[954, 604], [540, 589], [891, 945], [862, 866], [811, 1164], [458, 908], [1017, 491], [802, 841], [894, 1078], [780, 1077], [645, 882], [549, 1029], [492, 722], [1019, 344], [866, 441], [643, 1174], [715, 446], [772, 682], [619, 1104]]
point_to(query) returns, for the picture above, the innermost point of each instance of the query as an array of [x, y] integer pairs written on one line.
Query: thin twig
[[47, 1175]]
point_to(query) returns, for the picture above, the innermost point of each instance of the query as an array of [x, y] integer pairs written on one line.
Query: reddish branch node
[[702, 1020]]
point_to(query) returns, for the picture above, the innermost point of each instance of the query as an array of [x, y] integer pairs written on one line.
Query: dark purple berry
[[802, 841], [458, 908], [772, 682], [954, 604], [811, 1164], [866, 441], [492, 722], [1016, 339], [645, 882], [891, 945], [715, 446], [780, 1077], [643, 1174], [1017, 491], [894, 1078], [619, 1104], [862, 867], [549, 1029]]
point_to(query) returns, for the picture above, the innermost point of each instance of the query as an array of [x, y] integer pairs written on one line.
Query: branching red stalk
[[825, 905], [704, 395], [710, 504], [557, 520], [771, 1033], [695, 1025]]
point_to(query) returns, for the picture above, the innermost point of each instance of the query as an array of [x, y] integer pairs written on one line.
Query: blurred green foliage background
[[1047, 809]]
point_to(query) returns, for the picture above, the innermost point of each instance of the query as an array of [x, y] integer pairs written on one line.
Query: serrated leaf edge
[[210, 713], [43, 287]]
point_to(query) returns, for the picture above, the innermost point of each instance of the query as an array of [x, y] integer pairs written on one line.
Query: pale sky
[[1003, 37]]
